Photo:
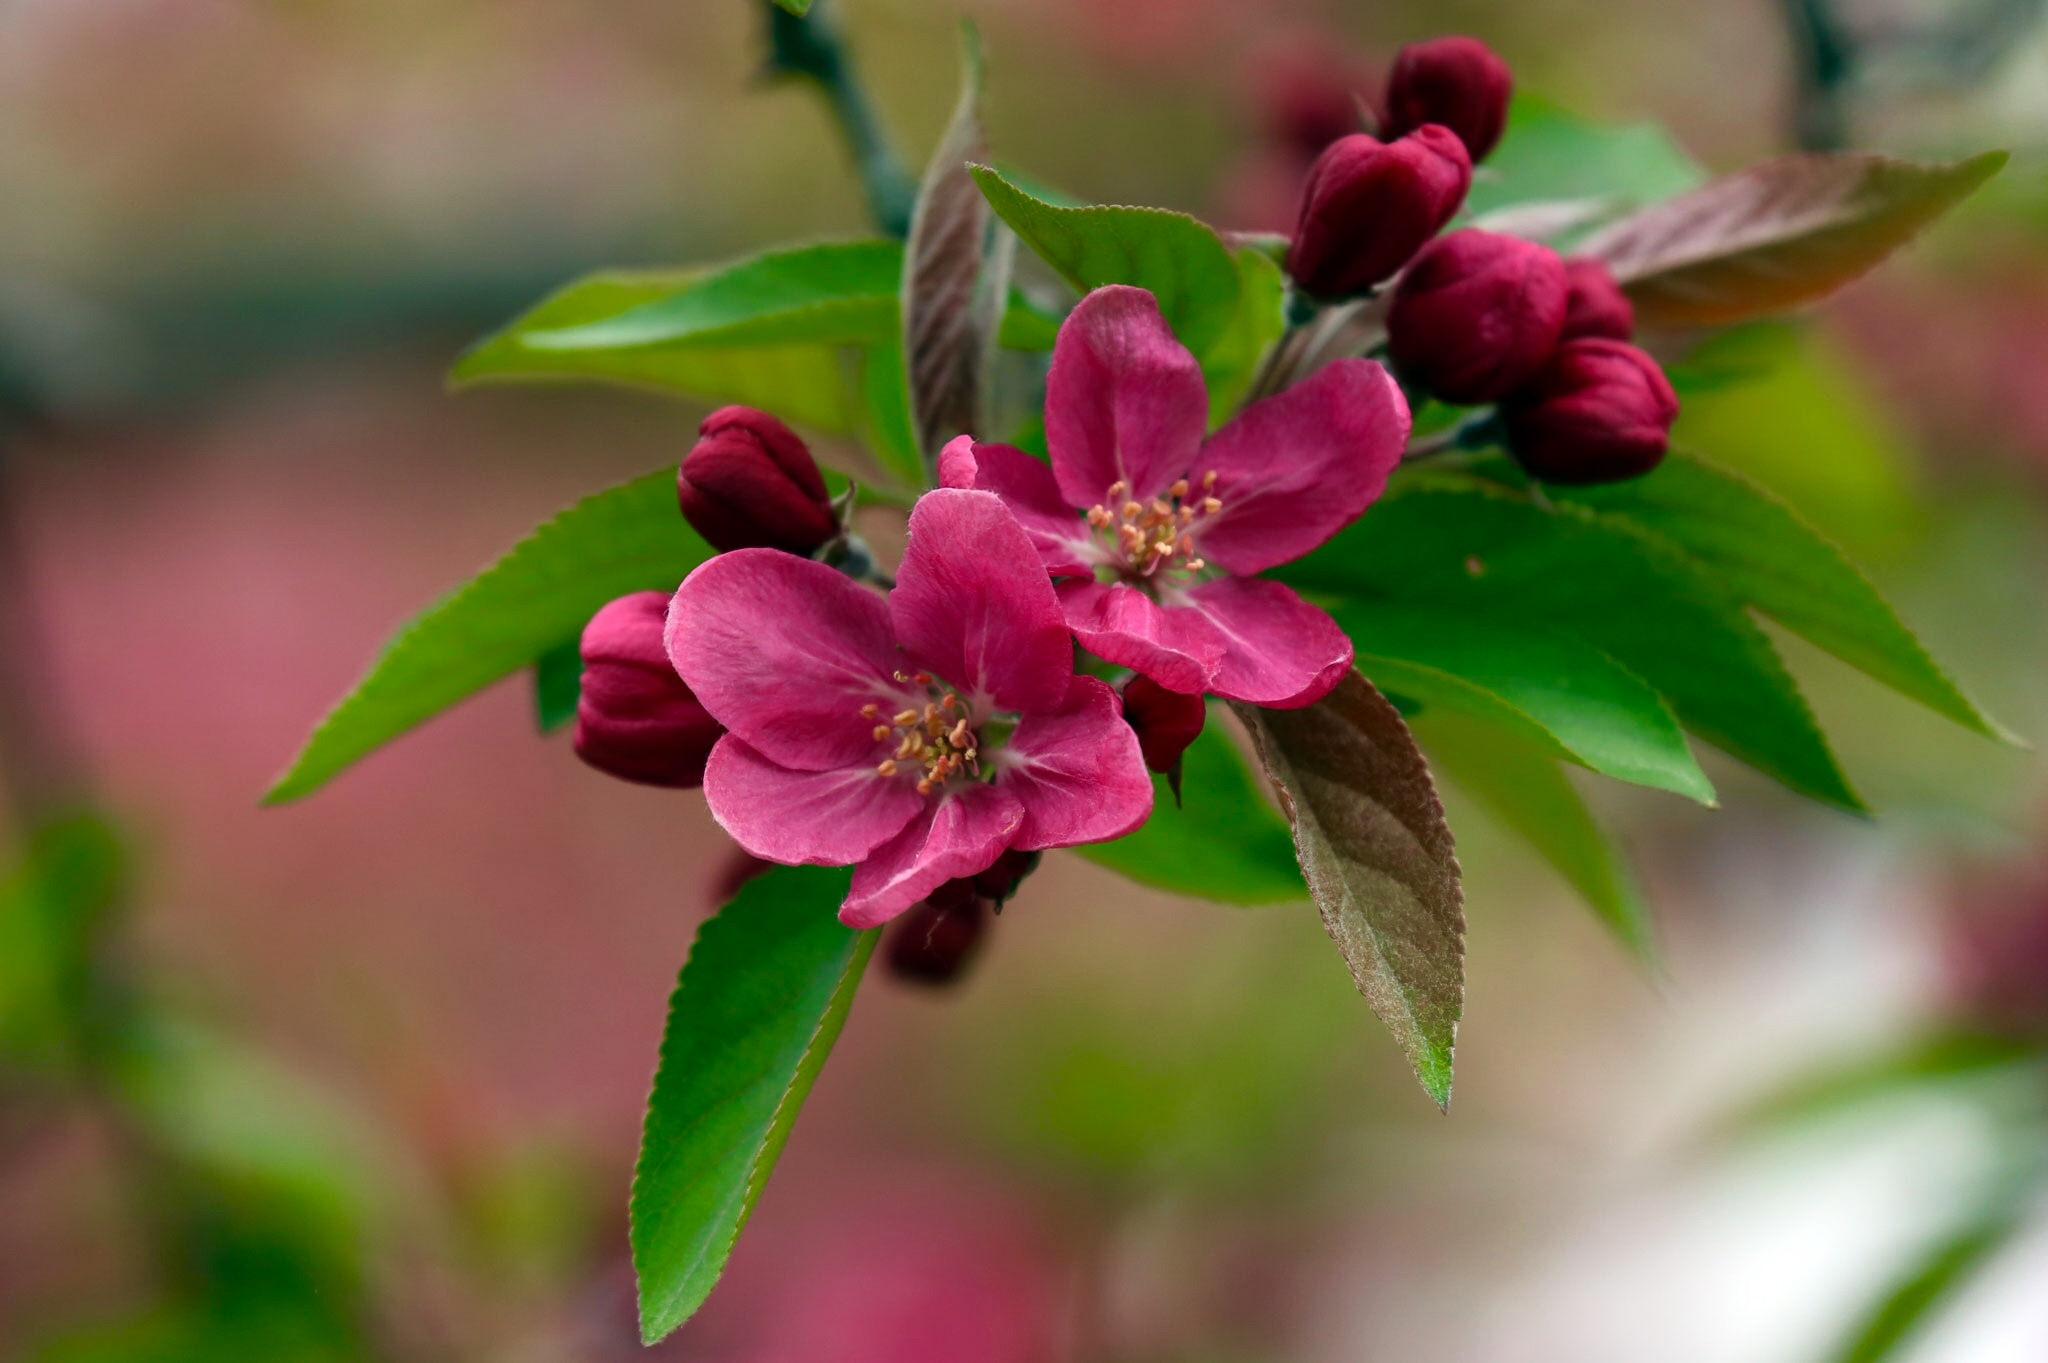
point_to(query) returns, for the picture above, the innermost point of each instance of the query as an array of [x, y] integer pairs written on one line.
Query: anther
[[870, 710], [1211, 505], [882, 731], [1132, 511], [906, 717], [1179, 489], [886, 767]]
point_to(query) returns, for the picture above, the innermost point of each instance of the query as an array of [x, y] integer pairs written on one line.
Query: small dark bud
[[1596, 305], [1458, 82], [1166, 721], [937, 940], [1368, 206], [635, 719], [751, 483], [1600, 411], [1476, 315], [999, 882]]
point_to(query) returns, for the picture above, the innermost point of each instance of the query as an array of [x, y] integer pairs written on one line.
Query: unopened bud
[[1368, 206], [937, 939], [750, 482], [1596, 305], [1166, 722], [1600, 411], [999, 882], [635, 719], [1458, 82], [1477, 315]]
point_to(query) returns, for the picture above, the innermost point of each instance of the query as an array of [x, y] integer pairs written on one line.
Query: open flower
[[1154, 533], [916, 738]]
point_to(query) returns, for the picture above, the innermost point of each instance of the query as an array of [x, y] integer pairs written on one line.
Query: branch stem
[[814, 48]]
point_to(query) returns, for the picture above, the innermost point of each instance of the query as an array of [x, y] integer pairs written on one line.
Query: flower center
[[1157, 536], [936, 739]]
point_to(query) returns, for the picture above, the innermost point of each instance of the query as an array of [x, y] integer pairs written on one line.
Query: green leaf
[[1549, 154], [835, 293], [1777, 235], [1468, 548], [1920, 1061], [797, 7], [1804, 423], [1760, 550], [1554, 689], [1224, 843], [1943, 1268], [886, 424], [557, 684], [1378, 857], [1529, 793], [810, 385], [760, 1002], [626, 539], [54, 905], [1180, 259], [1233, 361]]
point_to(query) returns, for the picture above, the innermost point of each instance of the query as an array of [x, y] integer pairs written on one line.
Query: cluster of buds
[[1370, 204], [1479, 317], [749, 481], [1482, 317]]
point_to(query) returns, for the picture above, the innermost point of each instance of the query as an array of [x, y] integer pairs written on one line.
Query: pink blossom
[[916, 738], [1154, 533]]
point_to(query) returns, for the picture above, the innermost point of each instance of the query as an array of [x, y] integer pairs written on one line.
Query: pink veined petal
[[1077, 771], [1294, 469], [1124, 400], [963, 831], [1280, 651], [1028, 488], [805, 818], [1178, 649], [785, 652], [973, 604]]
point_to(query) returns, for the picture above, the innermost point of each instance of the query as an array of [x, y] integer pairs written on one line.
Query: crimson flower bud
[[1476, 315], [1000, 881], [936, 940], [1458, 82], [1165, 721], [1600, 411], [1596, 305], [751, 483], [635, 719], [1368, 206]]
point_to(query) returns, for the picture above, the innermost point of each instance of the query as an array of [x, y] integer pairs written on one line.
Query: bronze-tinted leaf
[[1776, 235], [953, 283], [1370, 834]]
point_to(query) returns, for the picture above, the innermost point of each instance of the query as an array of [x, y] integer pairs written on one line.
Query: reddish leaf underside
[[1369, 831], [949, 289], [1777, 235]]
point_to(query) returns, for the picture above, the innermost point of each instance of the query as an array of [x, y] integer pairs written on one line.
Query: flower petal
[[785, 652], [1280, 651], [804, 818], [1077, 771], [963, 831], [1028, 488], [1179, 649], [1124, 401], [973, 604], [1294, 469]]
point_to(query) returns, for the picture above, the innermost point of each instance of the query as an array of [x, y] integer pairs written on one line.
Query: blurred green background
[[361, 1078]]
